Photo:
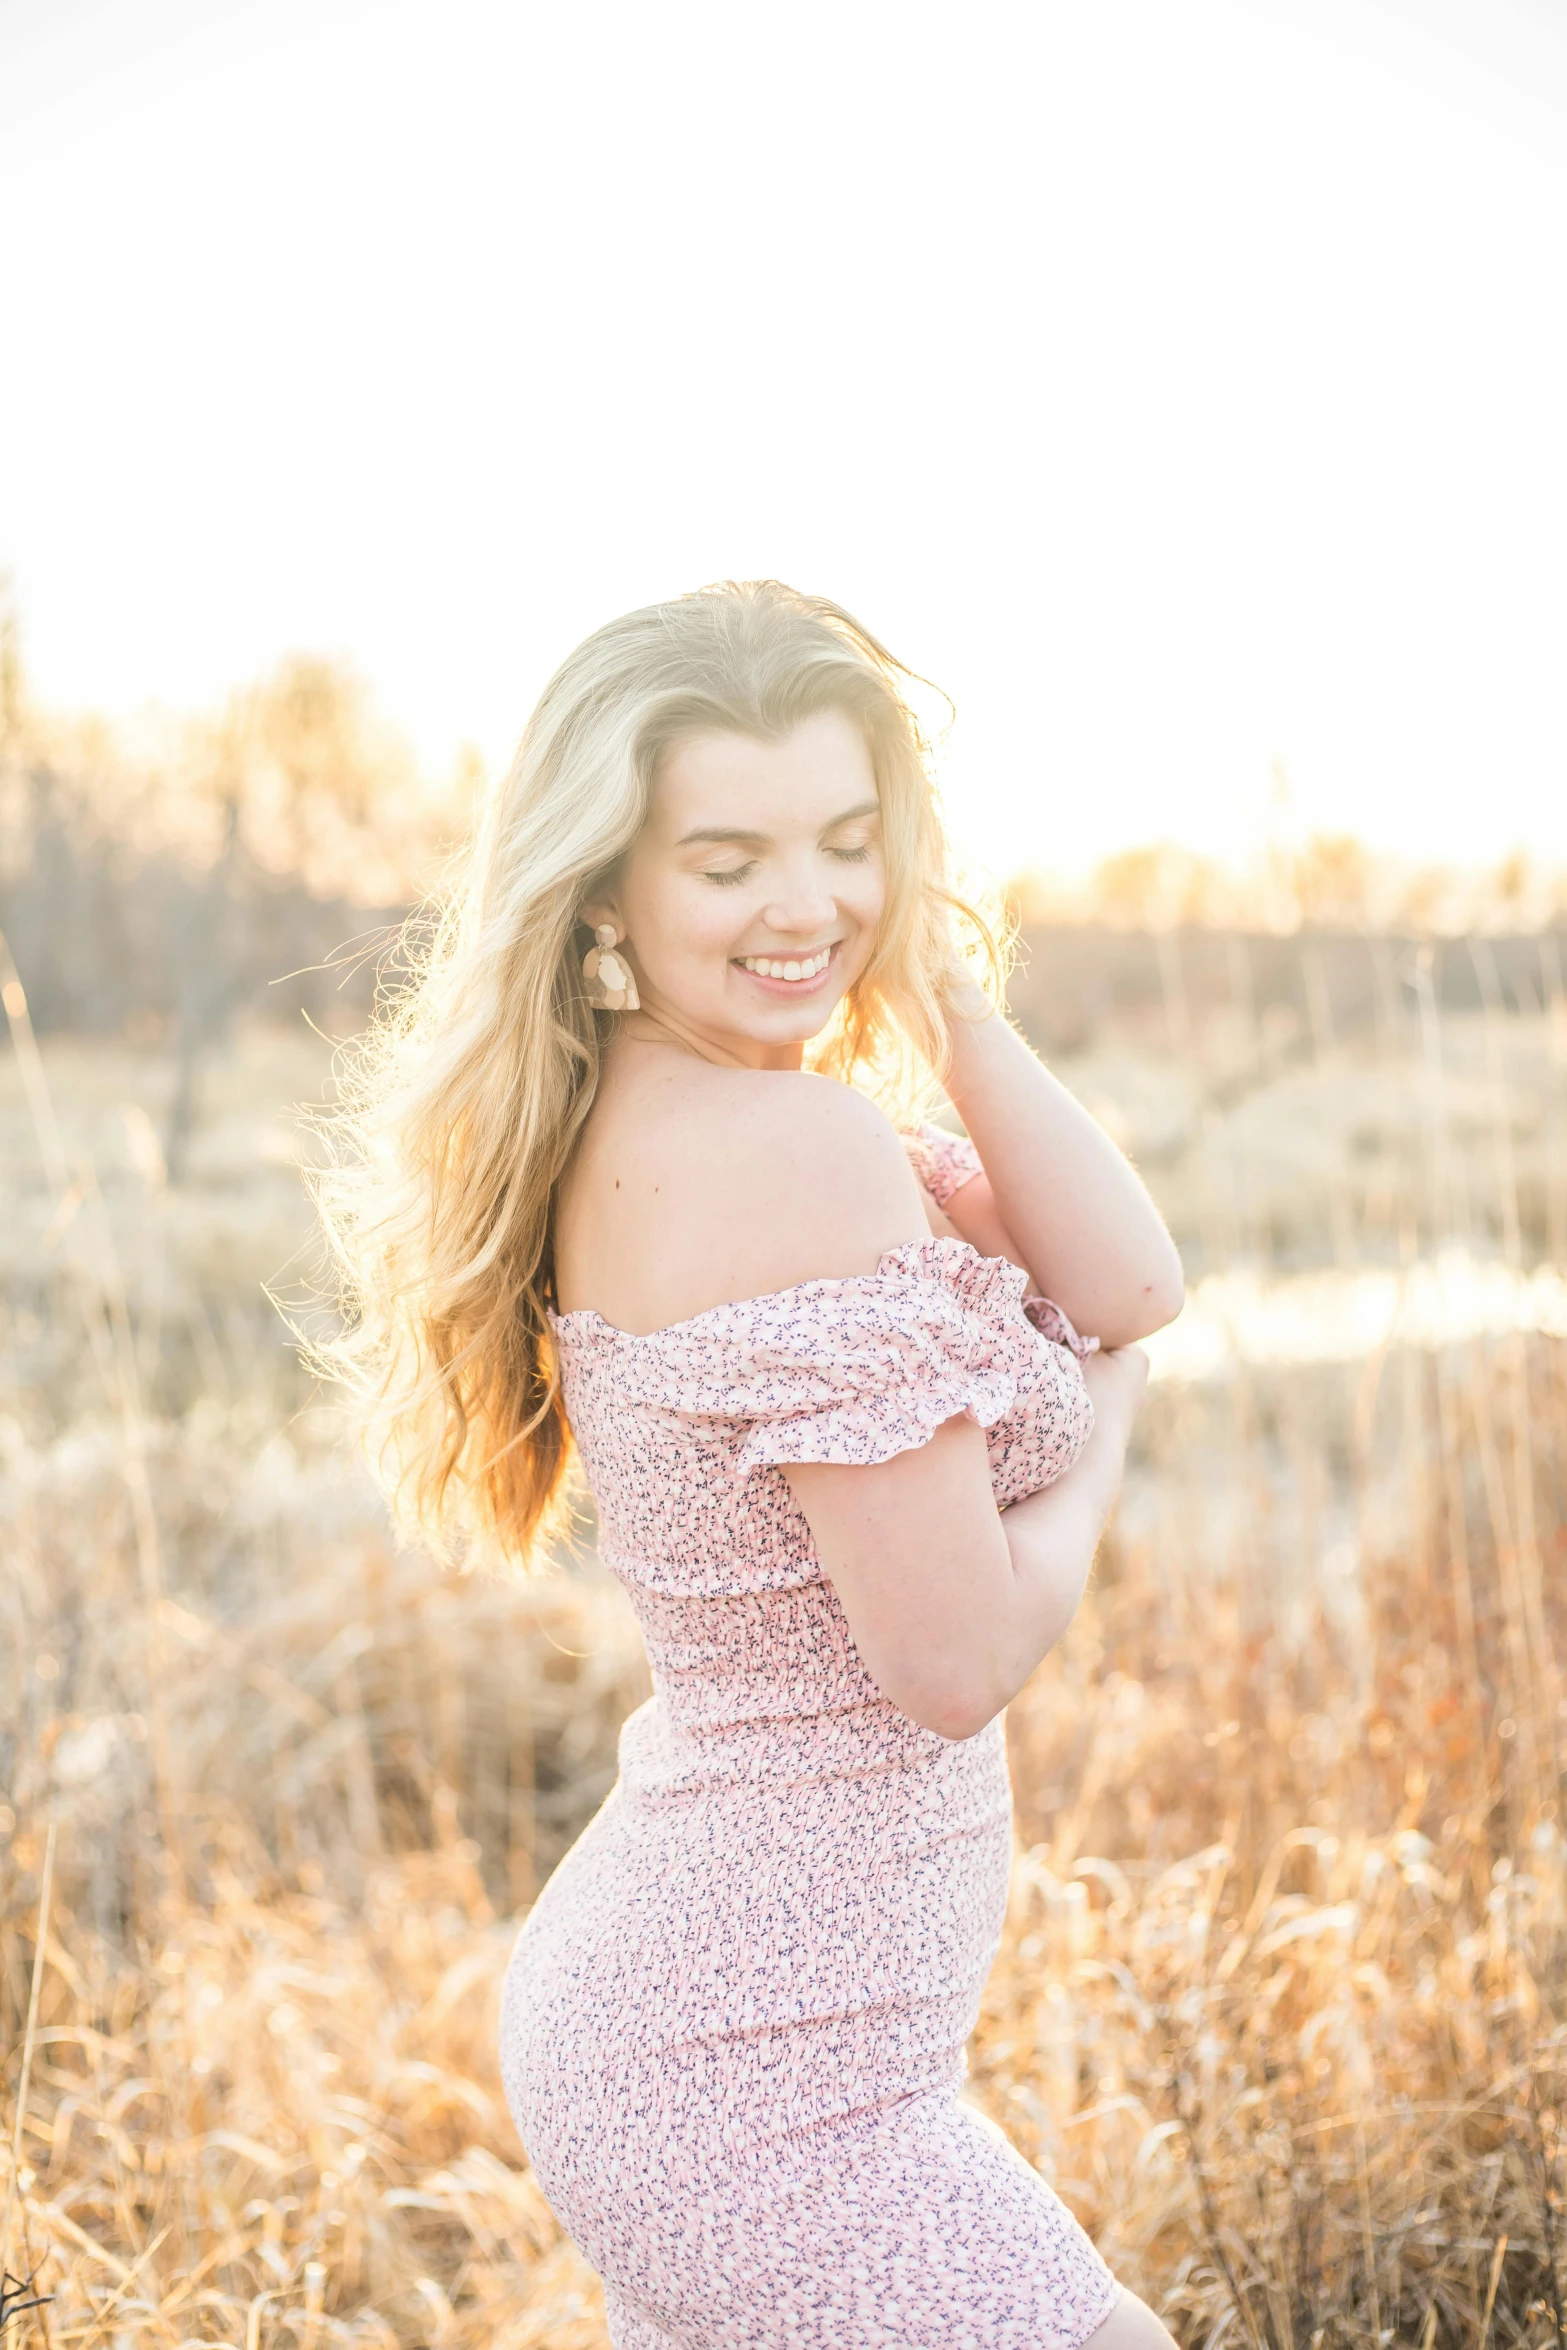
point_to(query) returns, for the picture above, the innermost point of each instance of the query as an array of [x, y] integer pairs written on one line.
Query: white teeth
[[766, 968]]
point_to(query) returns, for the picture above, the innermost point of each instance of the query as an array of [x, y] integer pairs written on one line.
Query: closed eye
[[738, 873]]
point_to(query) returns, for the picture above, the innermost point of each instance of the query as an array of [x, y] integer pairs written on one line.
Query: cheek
[[686, 924], [709, 922], [862, 894]]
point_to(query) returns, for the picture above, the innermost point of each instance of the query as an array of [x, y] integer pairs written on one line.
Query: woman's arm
[[951, 1602], [1056, 1195]]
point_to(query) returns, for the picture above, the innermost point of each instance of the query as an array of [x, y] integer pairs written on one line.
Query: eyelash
[[844, 857]]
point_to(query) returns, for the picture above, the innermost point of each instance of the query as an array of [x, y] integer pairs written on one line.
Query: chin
[[791, 1020]]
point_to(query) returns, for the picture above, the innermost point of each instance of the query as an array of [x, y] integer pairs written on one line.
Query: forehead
[[801, 781]]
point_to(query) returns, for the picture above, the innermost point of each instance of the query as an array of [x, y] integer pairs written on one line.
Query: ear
[[601, 909]]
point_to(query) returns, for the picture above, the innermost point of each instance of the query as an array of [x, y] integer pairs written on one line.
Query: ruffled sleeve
[[864, 1369], [1051, 1323], [683, 1430], [942, 1162]]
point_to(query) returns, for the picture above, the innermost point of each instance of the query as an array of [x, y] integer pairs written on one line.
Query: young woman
[[617, 1185]]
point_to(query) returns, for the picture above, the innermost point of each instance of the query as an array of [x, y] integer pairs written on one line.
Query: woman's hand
[[1117, 1379], [962, 997]]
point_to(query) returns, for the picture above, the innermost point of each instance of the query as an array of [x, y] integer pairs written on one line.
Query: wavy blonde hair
[[461, 1106]]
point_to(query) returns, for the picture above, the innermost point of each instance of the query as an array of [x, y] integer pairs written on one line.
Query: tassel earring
[[611, 988]]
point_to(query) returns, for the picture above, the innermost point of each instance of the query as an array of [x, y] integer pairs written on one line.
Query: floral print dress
[[733, 2027]]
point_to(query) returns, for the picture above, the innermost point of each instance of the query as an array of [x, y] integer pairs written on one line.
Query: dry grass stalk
[[1280, 2003], [14, 2292]]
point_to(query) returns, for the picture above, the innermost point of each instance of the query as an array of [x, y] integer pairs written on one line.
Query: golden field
[[1281, 2006]]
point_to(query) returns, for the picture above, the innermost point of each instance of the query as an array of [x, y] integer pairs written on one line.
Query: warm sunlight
[[1180, 388], [752, 1598]]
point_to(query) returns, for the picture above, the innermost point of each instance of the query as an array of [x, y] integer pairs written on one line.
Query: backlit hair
[[463, 1103]]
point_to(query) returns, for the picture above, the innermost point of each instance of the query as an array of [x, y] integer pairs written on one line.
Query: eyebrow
[[720, 833]]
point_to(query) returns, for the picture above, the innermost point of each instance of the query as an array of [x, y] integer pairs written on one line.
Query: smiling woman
[[758, 898], [469, 1098], [849, 1460]]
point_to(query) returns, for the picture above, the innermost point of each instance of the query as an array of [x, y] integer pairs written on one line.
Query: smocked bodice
[[684, 1433]]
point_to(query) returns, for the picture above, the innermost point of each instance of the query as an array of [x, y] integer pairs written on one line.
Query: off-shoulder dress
[[733, 2028]]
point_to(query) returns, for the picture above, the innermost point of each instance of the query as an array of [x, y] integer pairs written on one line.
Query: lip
[[792, 990]]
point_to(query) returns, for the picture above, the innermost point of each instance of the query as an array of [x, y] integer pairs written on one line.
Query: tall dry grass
[[1280, 2005]]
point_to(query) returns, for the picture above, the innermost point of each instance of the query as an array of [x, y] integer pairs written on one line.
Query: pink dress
[[734, 2024]]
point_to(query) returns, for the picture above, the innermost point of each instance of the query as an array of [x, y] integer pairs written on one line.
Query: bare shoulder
[[700, 1186], [799, 1178], [772, 1110]]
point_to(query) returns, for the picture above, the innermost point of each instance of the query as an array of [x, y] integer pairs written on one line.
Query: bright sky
[[1183, 386]]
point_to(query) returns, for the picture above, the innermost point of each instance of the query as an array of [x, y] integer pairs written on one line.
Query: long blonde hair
[[462, 1104]]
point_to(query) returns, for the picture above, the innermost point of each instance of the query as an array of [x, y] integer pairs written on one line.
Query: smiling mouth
[[792, 971]]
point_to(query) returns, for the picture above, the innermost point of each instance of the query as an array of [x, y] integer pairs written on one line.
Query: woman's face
[[751, 897]]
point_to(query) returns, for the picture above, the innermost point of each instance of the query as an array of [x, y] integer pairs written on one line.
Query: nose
[[803, 904]]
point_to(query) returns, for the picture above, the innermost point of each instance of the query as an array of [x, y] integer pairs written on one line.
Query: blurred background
[[1181, 391]]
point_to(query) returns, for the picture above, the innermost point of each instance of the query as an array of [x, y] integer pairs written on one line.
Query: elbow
[[1155, 1302], [959, 1720], [953, 1709], [1165, 1295]]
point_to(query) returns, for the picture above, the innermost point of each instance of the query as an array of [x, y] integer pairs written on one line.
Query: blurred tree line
[[1311, 940], [158, 882]]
